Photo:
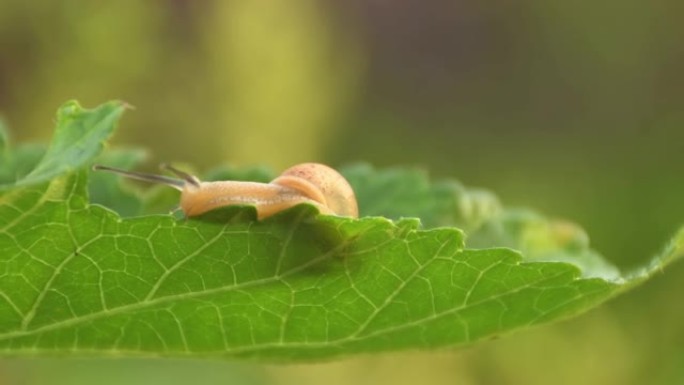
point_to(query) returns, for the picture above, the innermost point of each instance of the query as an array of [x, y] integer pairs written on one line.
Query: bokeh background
[[575, 108]]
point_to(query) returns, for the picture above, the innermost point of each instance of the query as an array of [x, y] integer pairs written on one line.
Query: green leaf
[[77, 278], [16, 163], [79, 137], [399, 193]]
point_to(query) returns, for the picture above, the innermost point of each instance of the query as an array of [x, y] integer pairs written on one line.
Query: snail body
[[311, 183]]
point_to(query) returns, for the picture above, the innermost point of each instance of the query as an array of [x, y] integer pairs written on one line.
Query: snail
[[311, 183]]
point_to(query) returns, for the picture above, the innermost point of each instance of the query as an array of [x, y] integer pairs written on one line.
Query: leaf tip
[[72, 108]]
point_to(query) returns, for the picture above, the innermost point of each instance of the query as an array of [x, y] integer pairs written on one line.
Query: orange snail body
[[310, 183]]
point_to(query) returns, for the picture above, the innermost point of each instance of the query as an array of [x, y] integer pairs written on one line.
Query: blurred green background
[[575, 108]]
